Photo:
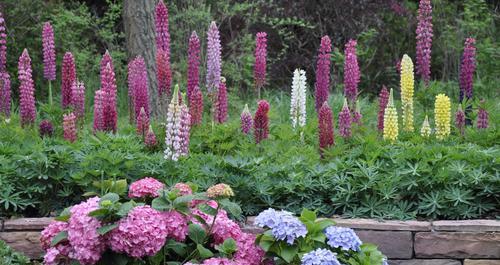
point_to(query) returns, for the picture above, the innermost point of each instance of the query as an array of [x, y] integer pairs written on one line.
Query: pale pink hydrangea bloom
[[146, 187], [184, 189], [176, 225]]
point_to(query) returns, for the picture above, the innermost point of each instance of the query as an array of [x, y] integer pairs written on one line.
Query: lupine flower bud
[[193, 71], [298, 99], [5, 94], [246, 120], [221, 103], [150, 139], [161, 23], [99, 111], [142, 121], [27, 108], [322, 85], [261, 121], [442, 113], [213, 58], [177, 129], [425, 131], [163, 72], [49, 52], [140, 88], [467, 69], [46, 128], [345, 121], [482, 117], [424, 40], [407, 87], [351, 73], [106, 59], [259, 70], [391, 128], [357, 116], [196, 106], [78, 99], [108, 86], [3, 44], [460, 119], [383, 99], [68, 76], [325, 127], [69, 127]]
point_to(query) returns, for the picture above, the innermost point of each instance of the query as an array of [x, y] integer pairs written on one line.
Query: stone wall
[[475, 242]]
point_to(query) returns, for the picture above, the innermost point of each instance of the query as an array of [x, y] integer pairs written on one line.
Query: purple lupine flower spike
[[213, 58], [68, 76], [3, 44], [345, 121], [259, 70], [467, 69], [351, 74], [424, 40], [322, 85], [193, 71], [49, 52], [5, 94], [27, 108]]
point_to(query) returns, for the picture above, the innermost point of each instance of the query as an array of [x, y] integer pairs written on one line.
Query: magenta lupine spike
[[150, 140], [193, 70], [322, 85], [351, 74], [163, 73], [482, 117], [3, 44], [46, 128], [213, 58], [467, 69], [259, 70], [357, 116], [99, 111], [78, 99], [108, 86], [460, 120], [424, 40], [68, 76], [5, 94], [161, 23], [106, 59], [69, 127], [383, 99], [49, 52], [142, 123], [345, 121], [221, 104], [27, 108], [140, 87], [185, 129], [196, 106], [325, 127], [246, 120], [261, 121]]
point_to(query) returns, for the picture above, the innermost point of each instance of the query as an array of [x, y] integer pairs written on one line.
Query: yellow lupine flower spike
[[391, 120], [426, 128], [407, 87], [442, 113]]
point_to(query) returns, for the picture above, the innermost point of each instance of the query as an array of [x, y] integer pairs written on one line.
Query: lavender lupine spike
[[161, 22], [27, 108], [259, 70], [424, 40], [193, 70], [68, 76], [49, 52], [177, 128], [78, 99], [322, 85], [3, 44], [140, 87], [5, 94], [482, 116], [213, 58], [351, 74], [345, 121], [467, 69], [246, 120]]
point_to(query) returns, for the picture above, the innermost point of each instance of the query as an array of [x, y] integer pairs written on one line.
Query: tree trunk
[[139, 24]]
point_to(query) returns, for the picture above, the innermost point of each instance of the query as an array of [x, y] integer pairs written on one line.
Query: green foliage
[[10, 257]]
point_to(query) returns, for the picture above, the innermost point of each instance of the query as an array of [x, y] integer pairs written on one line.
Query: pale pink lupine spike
[[27, 109], [49, 52]]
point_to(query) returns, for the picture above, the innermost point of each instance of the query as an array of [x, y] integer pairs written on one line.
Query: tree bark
[[139, 25]]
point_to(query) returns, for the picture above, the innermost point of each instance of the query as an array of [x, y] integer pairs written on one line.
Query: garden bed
[[469, 242]]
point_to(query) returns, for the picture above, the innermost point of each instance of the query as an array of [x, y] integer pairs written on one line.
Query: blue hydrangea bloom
[[283, 225], [341, 237], [320, 257]]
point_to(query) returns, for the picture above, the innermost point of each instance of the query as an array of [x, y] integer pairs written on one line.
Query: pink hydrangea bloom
[[49, 52], [50, 231], [196, 106], [225, 228], [322, 85], [69, 127], [424, 40], [248, 252], [68, 76], [183, 188], [259, 70], [5, 94], [86, 244], [53, 256], [193, 71], [221, 104], [214, 59], [27, 108], [219, 261], [142, 233], [176, 225], [351, 73], [146, 187], [3, 43]]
